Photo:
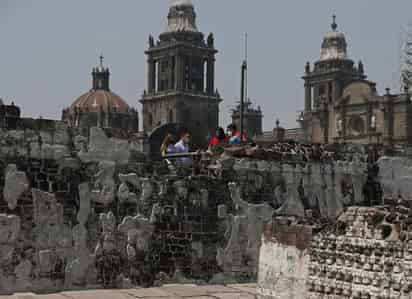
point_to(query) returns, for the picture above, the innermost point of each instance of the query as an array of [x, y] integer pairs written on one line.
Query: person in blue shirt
[[182, 147]]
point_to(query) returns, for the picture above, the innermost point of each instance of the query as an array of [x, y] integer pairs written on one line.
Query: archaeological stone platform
[[243, 291]]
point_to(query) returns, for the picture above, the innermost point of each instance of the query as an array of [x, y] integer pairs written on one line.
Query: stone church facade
[[181, 74], [342, 106]]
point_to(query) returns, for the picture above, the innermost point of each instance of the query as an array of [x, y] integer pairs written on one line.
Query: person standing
[[218, 139], [168, 146], [182, 147], [234, 137]]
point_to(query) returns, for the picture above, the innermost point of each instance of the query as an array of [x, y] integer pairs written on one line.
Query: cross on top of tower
[[334, 25]]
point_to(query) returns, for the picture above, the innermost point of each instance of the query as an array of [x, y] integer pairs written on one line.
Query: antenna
[[246, 57], [246, 46], [243, 91]]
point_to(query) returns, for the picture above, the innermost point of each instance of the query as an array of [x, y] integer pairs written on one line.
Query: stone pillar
[[210, 75], [388, 119], [142, 144], [157, 72], [315, 98], [188, 73], [179, 72], [176, 72], [169, 73], [151, 75], [344, 123], [173, 73], [202, 69], [335, 90], [308, 97]]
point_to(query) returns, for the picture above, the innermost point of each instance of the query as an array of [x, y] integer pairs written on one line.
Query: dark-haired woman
[[218, 139]]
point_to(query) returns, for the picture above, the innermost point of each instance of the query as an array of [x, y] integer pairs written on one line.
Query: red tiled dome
[[99, 100]]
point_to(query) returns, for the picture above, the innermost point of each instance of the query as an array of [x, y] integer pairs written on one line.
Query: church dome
[[100, 97], [334, 44], [99, 100]]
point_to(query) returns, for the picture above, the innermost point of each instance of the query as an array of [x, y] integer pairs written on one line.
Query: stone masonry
[[364, 252], [90, 211]]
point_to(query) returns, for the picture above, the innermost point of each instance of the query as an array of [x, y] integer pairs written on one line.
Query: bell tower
[[101, 76], [324, 85], [180, 79]]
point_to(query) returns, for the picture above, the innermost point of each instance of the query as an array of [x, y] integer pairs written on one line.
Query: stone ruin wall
[[91, 212], [365, 253]]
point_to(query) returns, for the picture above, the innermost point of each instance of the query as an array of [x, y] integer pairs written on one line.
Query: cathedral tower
[[324, 86], [181, 74]]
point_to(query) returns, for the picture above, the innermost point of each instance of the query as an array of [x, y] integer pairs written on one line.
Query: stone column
[[188, 73], [179, 72], [176, 72], [202, 69], [157, 72], [172, 83], [337, 91], [344, 123], [388, 118], [210, 75], [170, 71], [151, 70], [308, 97]]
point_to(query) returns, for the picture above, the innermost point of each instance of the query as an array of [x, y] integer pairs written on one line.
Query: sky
[[48, 47]]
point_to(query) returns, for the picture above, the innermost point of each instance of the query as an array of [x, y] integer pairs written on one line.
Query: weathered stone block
[[15, 184]]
